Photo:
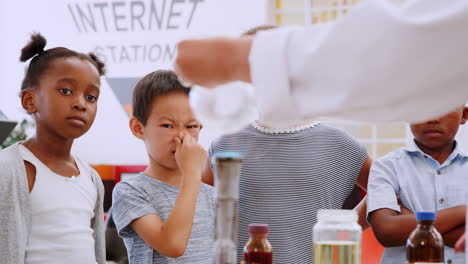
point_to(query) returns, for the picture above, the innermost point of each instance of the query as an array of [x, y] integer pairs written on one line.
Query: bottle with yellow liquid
[[337, 237], [425, 244]]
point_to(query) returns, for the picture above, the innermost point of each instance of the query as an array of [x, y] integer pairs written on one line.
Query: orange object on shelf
[[107, 172], [372, 251]]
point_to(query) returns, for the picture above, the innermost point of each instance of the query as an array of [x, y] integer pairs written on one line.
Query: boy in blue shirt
[[430, 174]]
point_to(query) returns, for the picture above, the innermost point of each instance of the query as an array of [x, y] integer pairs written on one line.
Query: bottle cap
[[258, 228], [227, 156], [337, 215], [421, 216]]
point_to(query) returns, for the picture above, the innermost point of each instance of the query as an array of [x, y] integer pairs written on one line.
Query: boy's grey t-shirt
[[142, 195]]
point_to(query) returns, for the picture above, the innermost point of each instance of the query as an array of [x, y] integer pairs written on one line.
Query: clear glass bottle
[[337, 237], [425, 244], [258, 249]]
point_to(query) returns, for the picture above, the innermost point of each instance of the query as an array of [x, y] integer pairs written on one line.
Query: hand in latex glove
[[228, 108]]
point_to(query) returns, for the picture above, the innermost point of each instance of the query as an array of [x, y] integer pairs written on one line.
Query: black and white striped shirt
[[286, 178]]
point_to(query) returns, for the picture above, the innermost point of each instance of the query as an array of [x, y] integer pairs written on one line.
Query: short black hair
[[41, 59], [150, 87]]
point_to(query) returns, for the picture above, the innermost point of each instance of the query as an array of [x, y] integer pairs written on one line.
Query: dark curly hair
[[41, 59]]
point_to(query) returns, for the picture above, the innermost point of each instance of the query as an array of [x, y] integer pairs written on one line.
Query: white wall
[[117, 29]]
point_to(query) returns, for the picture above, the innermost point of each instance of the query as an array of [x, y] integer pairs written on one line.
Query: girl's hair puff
[[41, 59]]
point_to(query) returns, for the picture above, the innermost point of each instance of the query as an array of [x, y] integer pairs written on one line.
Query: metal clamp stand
[[228, 167]]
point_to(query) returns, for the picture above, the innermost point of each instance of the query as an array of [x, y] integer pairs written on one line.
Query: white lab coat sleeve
[[381, 62]]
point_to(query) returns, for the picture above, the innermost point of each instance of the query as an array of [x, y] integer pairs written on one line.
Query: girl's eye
[[166, 125], [91, 98], [65, 91], [192, 126]]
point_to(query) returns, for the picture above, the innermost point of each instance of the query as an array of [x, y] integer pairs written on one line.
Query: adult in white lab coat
[[380, 62]]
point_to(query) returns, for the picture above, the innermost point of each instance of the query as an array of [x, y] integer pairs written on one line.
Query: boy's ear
[[28, 100], [137, 128], [464, 116]]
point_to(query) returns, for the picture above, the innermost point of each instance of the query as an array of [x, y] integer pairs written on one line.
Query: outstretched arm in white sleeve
[[380, 62]]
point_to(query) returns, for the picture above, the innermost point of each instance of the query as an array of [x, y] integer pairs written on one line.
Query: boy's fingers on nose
[[178, 143], [192, 139], [187, 138], [181, 136]]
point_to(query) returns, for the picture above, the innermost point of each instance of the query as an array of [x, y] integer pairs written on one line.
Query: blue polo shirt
[[422, 184]]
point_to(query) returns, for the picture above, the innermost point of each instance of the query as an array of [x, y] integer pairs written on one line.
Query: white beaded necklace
[[285, 130]]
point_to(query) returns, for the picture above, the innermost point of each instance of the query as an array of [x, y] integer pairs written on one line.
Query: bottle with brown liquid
[[425, 244], [258, 250]]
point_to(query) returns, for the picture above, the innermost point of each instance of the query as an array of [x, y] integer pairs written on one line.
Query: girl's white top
[[62, 209]]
